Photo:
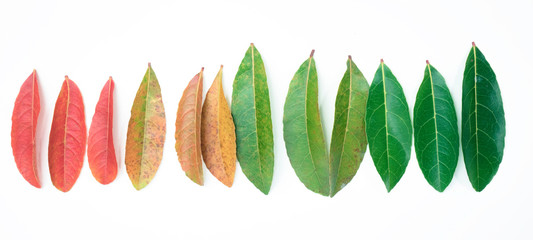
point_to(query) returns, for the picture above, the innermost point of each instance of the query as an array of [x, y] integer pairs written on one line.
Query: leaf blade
[[101, 149], [302, 130], [436, 131], [188, 136], [348, 138], [24, 124], [483, 120], [218, 134], [389, 134], [68, 134], [250, 107], [146, 132]]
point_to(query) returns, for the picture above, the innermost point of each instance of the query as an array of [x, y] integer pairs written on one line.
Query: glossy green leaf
[[483, 120], [302, 130], [348, 140], [388, 127], [436, 132], [250, 107]]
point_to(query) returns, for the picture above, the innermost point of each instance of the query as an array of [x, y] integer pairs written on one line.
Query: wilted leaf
[[25, 117], [146, 132], [483, 128], [436, 133], [302, 130], [66, 148], [388, 127], [348, 140], [250, 107], [188, 129], [101, 149], [218, 134]]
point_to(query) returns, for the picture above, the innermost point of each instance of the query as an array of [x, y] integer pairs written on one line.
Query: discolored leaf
[[218, 134], [348, 140], [25, 117], [302, 130], [188, 129], [146, 132], [250, 107], [388, 127], [436, 133], [101, 149], [66, 148], [483, 121]]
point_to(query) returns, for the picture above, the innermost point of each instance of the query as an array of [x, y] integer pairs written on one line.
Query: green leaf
[[302, 130], [436, 133], [388, 127], [250, 107], [348, 140], [483, 121]]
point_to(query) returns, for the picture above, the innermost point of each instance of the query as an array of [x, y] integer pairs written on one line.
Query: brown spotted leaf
[[146, 132], [218, 134]]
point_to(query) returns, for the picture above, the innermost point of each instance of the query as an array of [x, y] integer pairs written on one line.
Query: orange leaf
[[101, 150], [218, 134], [25, 116], [68, 134], [188, 123]]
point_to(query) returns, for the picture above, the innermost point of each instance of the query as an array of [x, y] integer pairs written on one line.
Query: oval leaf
[[250, 107], [348, 139], [66, 148], [436, 132], [101, 150], [25, 117], [146, 132], [388, 127], [483, 121], [302, 130], [218, 134], [188, 129]]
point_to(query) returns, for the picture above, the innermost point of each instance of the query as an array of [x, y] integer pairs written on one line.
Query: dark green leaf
[[436, 133], [483, 121], [302, 130], [348, 140], [250, 107], [388, 127]]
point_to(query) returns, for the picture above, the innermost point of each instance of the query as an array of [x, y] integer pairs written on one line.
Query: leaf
[[188, 127], [388, 126], [348, 139], [25, 117], [483, 121], [146, 132], [66, 148], [302, 130], [436, 133], [101, 150], [218, 134], [250, 107]]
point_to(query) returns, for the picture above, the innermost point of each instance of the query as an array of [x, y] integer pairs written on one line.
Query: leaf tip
[[110, 78], [149, 64], [34, 71], [427, 62], [473, 44], [66, 77], [350, 57], [221, 66], [312, 53], [202, 69], [251, 44], [381, 60]]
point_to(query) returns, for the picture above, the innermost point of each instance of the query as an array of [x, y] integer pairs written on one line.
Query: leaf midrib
[[435, 121], [255, 122], [386, 123]]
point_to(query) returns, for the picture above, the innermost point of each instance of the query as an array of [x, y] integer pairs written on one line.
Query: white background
[[93, 40]]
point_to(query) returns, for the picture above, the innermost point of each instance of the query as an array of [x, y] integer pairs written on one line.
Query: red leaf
[[66, 148], [25, 116], [101, 150]]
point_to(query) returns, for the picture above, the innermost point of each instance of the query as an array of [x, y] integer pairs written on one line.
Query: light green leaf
[[388, 127], [250, 107], [436, 132], [302, 130], [483, 121], [348, 140]]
